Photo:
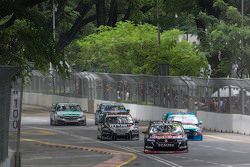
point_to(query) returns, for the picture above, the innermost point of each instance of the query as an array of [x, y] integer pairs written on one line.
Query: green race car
[[67, 113]]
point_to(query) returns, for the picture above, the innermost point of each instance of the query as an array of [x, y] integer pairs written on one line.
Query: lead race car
[[117, 125], [67, 113], [192, 127], [164, 137]]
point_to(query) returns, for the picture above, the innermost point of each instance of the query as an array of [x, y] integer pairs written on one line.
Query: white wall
[[235, 123], [47, 100], [144, 112]]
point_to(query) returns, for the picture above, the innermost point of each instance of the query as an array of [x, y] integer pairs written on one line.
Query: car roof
[[67, 103], [115, 115], [165, 123], [111, 103]]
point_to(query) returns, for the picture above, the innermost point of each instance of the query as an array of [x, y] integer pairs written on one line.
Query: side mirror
[[200, 123], [53, 107], [136, 121], [128, 110]]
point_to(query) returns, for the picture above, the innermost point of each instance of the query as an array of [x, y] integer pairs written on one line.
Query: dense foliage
[[26, 32], [128, 48]]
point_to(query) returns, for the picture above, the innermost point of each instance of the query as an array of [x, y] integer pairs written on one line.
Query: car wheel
[[101, 137]]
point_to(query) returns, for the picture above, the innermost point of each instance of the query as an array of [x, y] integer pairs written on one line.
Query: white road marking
[[61, 157], [166, 162], [223, 149]]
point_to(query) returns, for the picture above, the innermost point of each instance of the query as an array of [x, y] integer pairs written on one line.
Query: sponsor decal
[[119, 125], [165, 145], [166, 136]]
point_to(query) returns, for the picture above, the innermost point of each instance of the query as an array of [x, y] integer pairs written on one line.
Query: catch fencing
[[224, 95]]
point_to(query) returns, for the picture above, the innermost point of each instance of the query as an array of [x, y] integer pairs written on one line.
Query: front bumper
[[114, 136], [163, 147], [71, 120], [194, 136]]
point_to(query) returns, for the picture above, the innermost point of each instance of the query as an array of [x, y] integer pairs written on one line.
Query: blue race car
[[190, 123]]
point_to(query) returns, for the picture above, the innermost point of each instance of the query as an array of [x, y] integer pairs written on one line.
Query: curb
[[114, 153]]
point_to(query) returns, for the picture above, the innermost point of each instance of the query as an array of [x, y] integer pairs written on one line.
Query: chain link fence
[[225, 95]]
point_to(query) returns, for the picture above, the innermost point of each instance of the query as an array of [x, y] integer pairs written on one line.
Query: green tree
[[130, 48]]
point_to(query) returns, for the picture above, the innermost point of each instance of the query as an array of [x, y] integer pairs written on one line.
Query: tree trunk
[[112, 13], [100, 13]]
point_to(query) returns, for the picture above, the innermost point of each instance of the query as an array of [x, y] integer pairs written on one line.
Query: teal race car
[[109, 107], [67, 113], [190, 123]]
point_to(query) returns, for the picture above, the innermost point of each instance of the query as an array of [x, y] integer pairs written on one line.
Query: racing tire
[[82, 124], [101, 137]]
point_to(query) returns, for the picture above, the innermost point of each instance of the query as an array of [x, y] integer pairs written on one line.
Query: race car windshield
[[166, 129], [119, 120], [113, 107], [185, 119], [69, 107]]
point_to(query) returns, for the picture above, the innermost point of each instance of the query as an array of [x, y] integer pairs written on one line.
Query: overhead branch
[[67, 37], [9, 7], [8, 23]]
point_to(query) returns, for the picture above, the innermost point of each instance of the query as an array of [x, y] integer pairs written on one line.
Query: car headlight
[[58, 114], [151, 140], [81, 115]]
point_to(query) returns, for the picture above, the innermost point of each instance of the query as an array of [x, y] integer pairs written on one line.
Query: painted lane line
[[223, 149], [201, 160], [166, 162], [61, 157], [242, 152], [226, 139], [132, 156], [118, 162]]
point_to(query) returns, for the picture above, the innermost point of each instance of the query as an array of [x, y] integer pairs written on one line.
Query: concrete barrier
[[233, 123], [144, 112], [10, 161], [47, 100]]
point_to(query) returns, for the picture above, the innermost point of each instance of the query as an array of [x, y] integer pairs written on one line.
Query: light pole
[[242, 13], [158, 24], [54, 38]]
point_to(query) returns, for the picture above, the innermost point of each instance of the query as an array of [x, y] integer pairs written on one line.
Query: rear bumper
[[154, 147], [164, 152], [126, 136], [195, 138]]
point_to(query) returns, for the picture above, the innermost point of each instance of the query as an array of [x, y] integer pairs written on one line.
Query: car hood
[[166, 136], [190, 127], [69, 113]]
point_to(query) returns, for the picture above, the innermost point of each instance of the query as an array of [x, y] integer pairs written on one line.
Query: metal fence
[[6, 74], [225, 95]]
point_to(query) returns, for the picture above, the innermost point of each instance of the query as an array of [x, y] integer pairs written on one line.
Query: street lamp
[[242, 13], [158, 25]]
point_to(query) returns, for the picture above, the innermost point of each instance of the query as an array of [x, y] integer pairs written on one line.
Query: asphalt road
[[77, 146]]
